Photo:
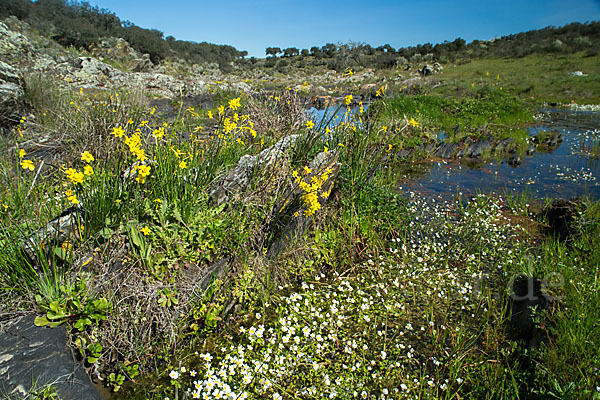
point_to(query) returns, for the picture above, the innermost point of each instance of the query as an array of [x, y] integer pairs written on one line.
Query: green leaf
[[41, 321], [60, 253], [106, 233]]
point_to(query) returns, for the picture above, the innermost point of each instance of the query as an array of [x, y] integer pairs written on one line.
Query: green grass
[[536, 78]]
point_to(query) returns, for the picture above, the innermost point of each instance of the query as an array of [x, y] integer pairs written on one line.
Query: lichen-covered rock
[[14, 46], [12, 96], [238, 178], [90, 72]]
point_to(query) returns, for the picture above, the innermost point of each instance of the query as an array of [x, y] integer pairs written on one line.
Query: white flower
[[276, 396], [403, 387], [383, 355], [174, 374]]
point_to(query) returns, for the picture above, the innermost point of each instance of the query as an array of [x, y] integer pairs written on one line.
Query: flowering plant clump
[[311, 185], [362, 336]]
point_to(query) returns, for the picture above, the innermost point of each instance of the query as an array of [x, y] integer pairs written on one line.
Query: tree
[[290, 52], [273, 51]]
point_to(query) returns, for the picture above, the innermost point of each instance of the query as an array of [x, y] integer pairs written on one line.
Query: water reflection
[[565, 172]]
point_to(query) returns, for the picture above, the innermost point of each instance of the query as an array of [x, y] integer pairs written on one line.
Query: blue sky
[[253, 25]]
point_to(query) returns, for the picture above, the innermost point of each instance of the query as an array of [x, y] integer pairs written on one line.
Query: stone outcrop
[[239, 177], [33, 357], [13, 45], [12, 96]]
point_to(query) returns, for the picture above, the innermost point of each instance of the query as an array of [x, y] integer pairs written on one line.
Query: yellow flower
[[310, 124], [66, 246], [118, 131], [159, 133], [22, 153], [87, 157], [307, 170], [221, 109], [27, 164], [152, 111], [75, 176], [234, 104], [348, 99], [145, 230], [413, 123], [88, 170], [143, 123], [73, 199], [210, 115], [350, 73], [182, 165]]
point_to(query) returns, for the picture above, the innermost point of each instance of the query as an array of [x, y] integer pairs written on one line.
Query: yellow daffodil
[[87, 157], [348, 99], [27, 164], [234, 104], [22, 153], [118, 131], [310, 124], [182, 165], [88, 170], [413, 123], [75, 176]]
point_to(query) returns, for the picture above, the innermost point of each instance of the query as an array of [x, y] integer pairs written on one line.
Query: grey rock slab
[[32, 356]]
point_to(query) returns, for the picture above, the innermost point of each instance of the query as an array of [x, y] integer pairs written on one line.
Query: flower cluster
[[312, 187]]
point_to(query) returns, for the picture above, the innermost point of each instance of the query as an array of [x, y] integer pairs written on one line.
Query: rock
[[238, 178], [560, 214], [60, 229], [446, 150], [242, 87], [514, 159], [13, 45], [90, 72], [527, 295], [12, 96], [426, 71], [505, 146], [43, 63], [142, 64], [476, 150], [548, 140], [31, 355]]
